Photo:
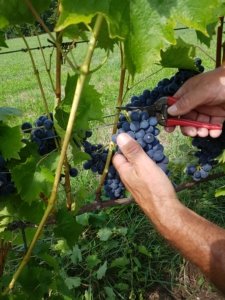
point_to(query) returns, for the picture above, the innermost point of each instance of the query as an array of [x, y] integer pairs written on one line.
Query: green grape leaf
[[14, 12], [220, 192], [2, 43], [184, 53], [137, 23], [5, 216], [206, 39], [76, 255], [89, 109], [92, 261], [191, 14], [31, 179], [16, 237], [143, 250], [26, 211], [104, 234], [75, 32], [102, 270], [120, 262], [109, 293], [104, 40], [74, 13], [10, 144], [35, 279], [79, 156], [67, 227], [73, 282]]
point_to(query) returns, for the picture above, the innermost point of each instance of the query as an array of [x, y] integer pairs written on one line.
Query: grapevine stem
[[45, 62], [39, 19], [36, 73], [115, 122], [125, 201], [58, 92], [77, 95], [219, 43], [58, 69]]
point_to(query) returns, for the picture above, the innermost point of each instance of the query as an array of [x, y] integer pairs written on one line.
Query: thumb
[[184, 105], [129, 147]]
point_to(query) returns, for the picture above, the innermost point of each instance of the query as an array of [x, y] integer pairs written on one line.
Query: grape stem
[[84, 71]]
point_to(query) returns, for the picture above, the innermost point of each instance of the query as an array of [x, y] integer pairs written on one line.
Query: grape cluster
[[165, 87], [6, 185], [45, 136], [141, 127], [208, 150], [98, 158]]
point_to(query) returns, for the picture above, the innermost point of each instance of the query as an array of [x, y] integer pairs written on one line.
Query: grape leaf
[[35, 279], [31, 179], [104, 234], [72, 282], [138, 22], [110, 293], [184, 53], [75, 32], [90, 107], [92, 261], [67, 227], [76, 255], [220, 192], [102, 270], [5, 216], [10, 144], [14, 12], [120, 262], [16, 237], [206, 39]]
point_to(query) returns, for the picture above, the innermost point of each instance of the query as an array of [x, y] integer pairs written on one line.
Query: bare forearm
[[199, 240]]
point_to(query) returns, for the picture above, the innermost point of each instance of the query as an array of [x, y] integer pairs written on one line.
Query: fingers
[[189, 130], [203, 132], [169, 129], [120, 163], [216, 120], [186, 103], [130, 148]]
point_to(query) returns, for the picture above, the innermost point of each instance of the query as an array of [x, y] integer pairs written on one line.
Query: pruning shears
[[159, 110]]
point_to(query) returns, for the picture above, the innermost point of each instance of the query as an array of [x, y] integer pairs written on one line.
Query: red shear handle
[[170, 122]]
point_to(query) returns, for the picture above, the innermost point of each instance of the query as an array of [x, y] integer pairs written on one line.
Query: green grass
[[159, 265]]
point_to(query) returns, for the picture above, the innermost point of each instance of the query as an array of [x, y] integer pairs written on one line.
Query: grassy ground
[[152, 268]]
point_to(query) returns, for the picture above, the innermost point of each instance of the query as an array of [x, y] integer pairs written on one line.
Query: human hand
[[201, 98], [148, 184]]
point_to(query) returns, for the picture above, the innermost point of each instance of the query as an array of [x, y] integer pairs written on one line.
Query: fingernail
[[172, 110], [122, 139]]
